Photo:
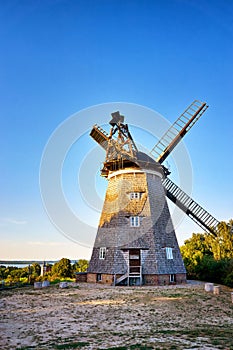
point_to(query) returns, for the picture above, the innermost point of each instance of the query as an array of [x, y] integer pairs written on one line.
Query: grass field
[[103, 317]]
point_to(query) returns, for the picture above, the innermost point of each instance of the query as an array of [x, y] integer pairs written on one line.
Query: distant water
[[21, 264]]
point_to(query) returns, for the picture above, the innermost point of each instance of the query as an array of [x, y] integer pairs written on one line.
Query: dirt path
[[102, 317]]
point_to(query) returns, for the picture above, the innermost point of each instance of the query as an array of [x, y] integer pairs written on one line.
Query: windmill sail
[[178, 130], [198, 214], [100, 136]]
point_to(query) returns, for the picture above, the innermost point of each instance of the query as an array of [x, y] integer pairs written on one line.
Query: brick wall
[[81, 277], [91, 277], [160, 280], [153, 280], [105, 278]]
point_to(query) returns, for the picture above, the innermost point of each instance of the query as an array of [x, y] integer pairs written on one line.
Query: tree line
[[210, 258], [63, 269]]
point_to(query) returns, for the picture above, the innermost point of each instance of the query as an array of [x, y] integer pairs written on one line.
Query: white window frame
[[134, 221], [169, 253], [98, 277], [135, 195], [102, 253], [172, 278]]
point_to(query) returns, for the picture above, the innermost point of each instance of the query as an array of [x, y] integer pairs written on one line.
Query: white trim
[[98, 277], [169, 253], [172, 278], [135, 195], [134, 171], [102, 253], [134, 221]]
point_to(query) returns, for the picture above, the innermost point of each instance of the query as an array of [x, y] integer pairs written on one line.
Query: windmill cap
[[116, 118], [146, 162]]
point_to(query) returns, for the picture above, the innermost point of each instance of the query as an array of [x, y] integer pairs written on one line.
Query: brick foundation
[[100, 278], [161, 280], [153, 280], [81, 277]]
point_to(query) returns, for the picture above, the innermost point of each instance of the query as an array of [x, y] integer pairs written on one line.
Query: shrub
[[228, 281]]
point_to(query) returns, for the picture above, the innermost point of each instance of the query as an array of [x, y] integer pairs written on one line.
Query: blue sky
[[60, 57]]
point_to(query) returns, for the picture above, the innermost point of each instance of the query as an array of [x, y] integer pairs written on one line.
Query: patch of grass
[[71, 345], [140, 347], [117, 348], [217, 336], [132, 347]]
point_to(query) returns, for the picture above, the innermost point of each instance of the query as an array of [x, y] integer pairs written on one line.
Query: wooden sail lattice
[[100, 136], [198, 214], [178, 130]]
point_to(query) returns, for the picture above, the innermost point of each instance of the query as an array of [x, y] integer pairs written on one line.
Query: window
[[135, 195], [102, 253], [134, 221], [172, 278], [169, 253], [98, 277]]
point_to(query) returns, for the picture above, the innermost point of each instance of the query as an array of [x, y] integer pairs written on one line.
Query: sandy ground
[[102, 317]]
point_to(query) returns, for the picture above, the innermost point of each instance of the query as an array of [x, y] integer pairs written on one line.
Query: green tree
[[81, 265], [208, 257], [212, 270], [15, 275], [228, 281], [222, 244], [35, 269], [2, 272], [193, 251], [24, 272], [62, 268]]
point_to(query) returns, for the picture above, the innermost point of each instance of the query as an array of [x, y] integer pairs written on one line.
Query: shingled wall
[[154, 234]]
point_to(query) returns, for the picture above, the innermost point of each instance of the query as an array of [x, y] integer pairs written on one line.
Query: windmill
[[136, 242]]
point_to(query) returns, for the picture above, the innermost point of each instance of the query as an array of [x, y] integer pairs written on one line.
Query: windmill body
[[136, 242]]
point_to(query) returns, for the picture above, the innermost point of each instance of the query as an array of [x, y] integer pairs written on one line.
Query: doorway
[[134, 262]]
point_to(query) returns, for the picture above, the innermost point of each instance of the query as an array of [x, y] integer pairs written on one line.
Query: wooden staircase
[[121, 278], [129, 274]]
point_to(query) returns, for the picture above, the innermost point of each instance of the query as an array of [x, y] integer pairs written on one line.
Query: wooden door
[[134, 261]]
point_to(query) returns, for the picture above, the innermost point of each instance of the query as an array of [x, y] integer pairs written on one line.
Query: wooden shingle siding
[[154, 234]]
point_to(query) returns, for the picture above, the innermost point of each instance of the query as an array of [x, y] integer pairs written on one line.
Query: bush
[[81, 265], [62, 268], [228, 281]]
